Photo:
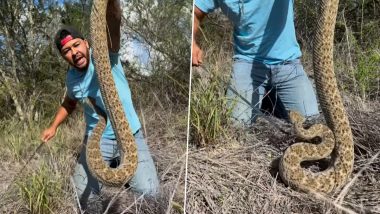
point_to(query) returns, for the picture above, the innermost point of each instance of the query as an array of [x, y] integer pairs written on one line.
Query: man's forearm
[[198, 17], [113, 22], [197, 53], [61, 115], [67, 107], [195, 30]]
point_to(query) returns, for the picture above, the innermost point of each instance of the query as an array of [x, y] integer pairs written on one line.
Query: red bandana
[[66, 40]]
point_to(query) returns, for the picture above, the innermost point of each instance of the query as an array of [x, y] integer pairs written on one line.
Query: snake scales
[[125, 140], [337, 137]]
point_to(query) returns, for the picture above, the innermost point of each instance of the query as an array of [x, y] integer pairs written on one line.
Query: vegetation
[[357, 56], [32, 84], [209, 109], [166, 27], [41, 191], [237, 172], [357, 43]]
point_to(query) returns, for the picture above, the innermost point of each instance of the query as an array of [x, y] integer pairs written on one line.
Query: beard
[[81, 61]]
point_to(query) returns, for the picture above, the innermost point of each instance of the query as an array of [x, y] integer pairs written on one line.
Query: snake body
[[125, 140], [337, 137]]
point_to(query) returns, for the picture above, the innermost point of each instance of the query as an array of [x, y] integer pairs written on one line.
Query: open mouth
[[79, 61]]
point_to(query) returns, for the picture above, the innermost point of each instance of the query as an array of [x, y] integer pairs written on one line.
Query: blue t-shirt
[[83, 84], [263, 29]]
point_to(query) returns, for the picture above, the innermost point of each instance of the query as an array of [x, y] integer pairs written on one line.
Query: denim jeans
[[252, 81], [144, 181]]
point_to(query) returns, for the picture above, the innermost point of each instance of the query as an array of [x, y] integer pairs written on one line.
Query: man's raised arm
[[113, 22]]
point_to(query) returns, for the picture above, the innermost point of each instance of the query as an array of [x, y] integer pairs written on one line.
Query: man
[[266, 57], [81, 83]]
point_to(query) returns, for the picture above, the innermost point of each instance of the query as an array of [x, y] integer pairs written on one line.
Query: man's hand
[[197, 55], [67, 107], [48, 134]]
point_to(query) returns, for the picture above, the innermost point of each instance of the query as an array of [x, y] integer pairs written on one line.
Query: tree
[[31, 74], [165, 26]]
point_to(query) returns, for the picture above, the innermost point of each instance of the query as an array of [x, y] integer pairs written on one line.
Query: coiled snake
[[337, 137], [125, 140]]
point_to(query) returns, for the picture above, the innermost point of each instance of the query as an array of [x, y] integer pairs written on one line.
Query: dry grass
[[239, 174], [38, 182], [49, 170]]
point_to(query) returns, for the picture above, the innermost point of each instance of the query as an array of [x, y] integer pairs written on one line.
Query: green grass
[[368, 73], [37, 182], [210, 109], [17, 139], [41, 191]]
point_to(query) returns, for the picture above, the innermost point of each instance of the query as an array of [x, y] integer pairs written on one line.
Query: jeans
[[252, 81], [144, 181]]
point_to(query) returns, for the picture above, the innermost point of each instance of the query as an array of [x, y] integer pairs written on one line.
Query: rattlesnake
[[125, 140], [337, 139]]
